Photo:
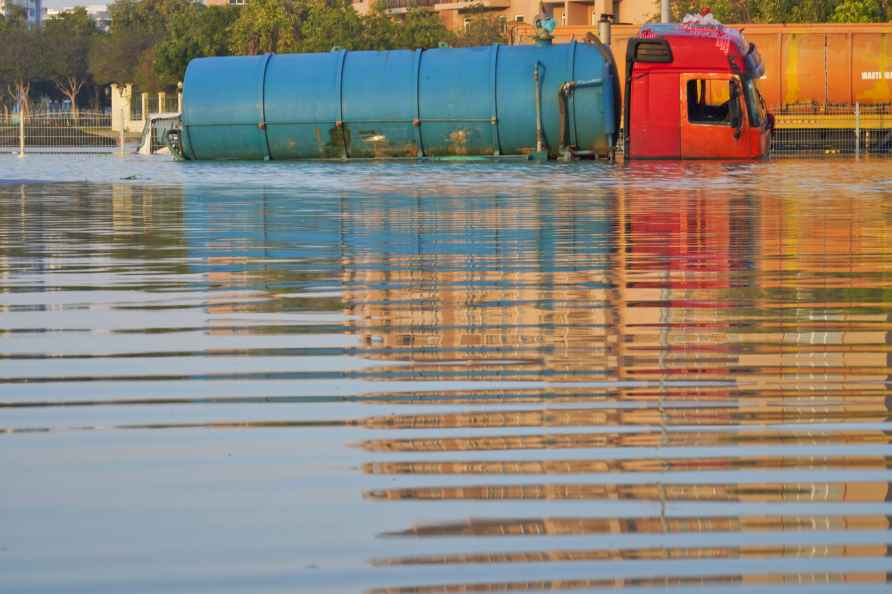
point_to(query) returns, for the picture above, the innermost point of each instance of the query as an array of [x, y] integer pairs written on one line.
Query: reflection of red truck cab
[[691, 94]]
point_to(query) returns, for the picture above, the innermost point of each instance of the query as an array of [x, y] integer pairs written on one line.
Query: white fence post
[[21, 130], [857, 129], [121, 134]]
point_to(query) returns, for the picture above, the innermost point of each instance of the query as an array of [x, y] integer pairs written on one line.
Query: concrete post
[[144, 107], [180, 102], [121, 97], [162, 102], [664, 11]]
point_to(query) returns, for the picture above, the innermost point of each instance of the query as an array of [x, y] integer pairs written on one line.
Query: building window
[[518, 18], [467, 24]]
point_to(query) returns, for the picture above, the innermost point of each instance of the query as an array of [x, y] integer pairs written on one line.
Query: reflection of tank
[[439, 102]]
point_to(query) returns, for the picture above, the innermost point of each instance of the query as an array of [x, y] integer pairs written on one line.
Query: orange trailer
[[810, 65]]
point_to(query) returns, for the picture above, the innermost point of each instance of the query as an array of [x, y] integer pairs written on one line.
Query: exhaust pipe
[[604, 26]]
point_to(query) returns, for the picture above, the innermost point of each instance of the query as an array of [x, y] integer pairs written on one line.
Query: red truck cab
[[691, 93]]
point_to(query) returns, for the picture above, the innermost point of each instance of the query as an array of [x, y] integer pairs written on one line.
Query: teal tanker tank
[[546, 100]]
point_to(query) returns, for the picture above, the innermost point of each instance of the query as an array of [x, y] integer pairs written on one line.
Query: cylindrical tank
[[403, 103]]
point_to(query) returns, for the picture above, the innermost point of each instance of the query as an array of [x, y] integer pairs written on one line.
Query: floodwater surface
[[422, 378]]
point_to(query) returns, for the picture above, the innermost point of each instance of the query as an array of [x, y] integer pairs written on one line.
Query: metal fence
[[143, 105], [809, 130], [171, 104], [84, 132], [136, 106]]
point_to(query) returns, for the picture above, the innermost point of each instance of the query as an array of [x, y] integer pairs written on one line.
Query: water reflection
[[704, 583], [713, 322], [667, 388]]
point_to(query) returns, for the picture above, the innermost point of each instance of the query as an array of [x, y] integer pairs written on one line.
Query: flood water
[[423, 378]]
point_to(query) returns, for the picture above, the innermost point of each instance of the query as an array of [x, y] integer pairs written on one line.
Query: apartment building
[[98, 13], [33, 9], [566, 12]]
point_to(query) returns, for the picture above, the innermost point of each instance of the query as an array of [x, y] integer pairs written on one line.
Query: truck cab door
[[713, 119]]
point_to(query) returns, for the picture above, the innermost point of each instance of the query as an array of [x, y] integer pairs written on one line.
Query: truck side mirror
[[734, 109]]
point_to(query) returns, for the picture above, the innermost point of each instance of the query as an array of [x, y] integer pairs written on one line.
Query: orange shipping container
[[819, 64]]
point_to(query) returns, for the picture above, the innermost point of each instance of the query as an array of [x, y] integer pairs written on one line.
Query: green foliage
[[420, 28], [69, 36], [726, 11], [330, 24], [113, 56], [23, 59], [318, 25], [268, 26], [787, 11], [152, 41], [16, 17], [127, 53], [198, 32], [483, 29], [860, 11]]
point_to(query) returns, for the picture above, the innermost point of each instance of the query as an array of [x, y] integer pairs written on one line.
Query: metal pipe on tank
[[536, 80], [664, 11]]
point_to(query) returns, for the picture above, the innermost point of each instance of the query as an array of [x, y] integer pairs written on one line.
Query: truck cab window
[[709, 101]]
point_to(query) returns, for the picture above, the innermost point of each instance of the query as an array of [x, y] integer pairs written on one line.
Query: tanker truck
[[690, 92]]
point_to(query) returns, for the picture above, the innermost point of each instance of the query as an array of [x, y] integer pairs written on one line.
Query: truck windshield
[[754, 105]]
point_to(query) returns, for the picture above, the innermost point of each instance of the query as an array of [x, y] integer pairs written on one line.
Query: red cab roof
[[712, 47]]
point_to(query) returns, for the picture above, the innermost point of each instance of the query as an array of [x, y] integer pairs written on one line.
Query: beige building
[[565, 12]]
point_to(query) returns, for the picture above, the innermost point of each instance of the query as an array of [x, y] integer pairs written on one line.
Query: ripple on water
[[419, 378]]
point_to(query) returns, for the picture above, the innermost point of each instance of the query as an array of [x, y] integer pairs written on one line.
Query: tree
[[796, 11], [127, 53], [420, 28], [787, 11], [331, 23], [483, 29], [113, 56], [860, 11], [197, 32], [725, 11], [378, 29], [70, 35], [16, 17], [22, 61], [268, 26]]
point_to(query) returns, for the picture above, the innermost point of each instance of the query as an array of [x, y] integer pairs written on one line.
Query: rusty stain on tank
[[458, 140]]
